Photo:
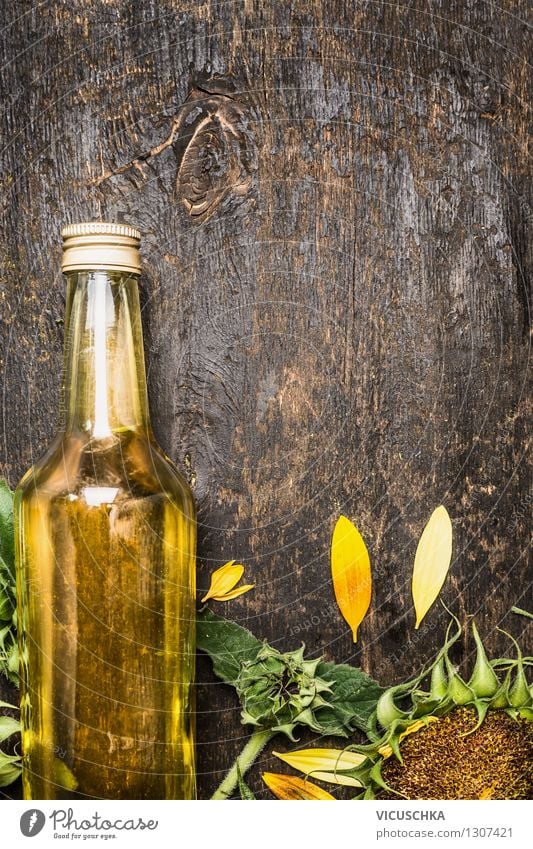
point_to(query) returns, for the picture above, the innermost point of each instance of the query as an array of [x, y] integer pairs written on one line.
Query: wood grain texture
[[335, 209]]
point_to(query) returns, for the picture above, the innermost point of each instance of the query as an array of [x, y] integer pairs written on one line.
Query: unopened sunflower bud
[[519, 695], [278, 691], [439, 681], [484, 681], [386, 710]]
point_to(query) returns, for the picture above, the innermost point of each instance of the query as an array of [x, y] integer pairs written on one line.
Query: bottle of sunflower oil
[[106, 532]]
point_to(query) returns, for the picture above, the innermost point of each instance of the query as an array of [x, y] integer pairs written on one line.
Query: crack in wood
[[142, 157]]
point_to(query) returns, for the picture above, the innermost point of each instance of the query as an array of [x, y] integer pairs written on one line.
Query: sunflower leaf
[[9, 770], [7, 536], [8, 726], [9, 764], [228, 645], [353, 699]]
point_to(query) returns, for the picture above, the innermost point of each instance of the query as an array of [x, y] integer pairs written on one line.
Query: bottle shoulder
[[130, 462]]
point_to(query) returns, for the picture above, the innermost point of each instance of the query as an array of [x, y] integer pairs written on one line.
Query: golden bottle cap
[[99, 245]]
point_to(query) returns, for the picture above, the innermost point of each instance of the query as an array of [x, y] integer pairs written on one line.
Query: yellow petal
[[432, 561], [350, 571], [386, 750], [487, 793], [224, 579], [336, 778], [325, 764], [289, 787], [233, 593]]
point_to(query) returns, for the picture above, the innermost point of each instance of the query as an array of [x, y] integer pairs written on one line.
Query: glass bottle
[[105, 533]]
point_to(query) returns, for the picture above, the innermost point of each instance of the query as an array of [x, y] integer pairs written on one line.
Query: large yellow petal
[[324, 764], [432, 561], [224, 579], [350, 571], [289, 787]]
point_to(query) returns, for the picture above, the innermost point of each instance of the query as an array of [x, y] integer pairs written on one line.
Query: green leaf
[[244, 790], [9, 660], [7, 536], [9, 764], [6, 606], [9, 772], [228, 645], [352, 701], [7, 583], [8, 726]]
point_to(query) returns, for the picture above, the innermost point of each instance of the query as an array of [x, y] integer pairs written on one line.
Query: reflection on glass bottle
[[105, 560]]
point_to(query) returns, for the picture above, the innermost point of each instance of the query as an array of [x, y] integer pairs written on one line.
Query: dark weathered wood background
[[334, 204]]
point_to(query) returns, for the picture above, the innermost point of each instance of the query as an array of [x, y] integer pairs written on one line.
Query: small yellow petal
[[289, 787], [432, 561], [233, 593], [350, 572], [325, 764], [386, 750], [487, 793], [224, 579]]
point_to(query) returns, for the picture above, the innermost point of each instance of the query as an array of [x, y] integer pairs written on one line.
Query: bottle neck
[[104, 389]]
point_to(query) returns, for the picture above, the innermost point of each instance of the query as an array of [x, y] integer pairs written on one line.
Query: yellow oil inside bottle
[[106, 581]]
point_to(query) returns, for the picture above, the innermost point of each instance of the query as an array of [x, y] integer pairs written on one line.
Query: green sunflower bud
[[501, 697], [519, 695], [458, 690], [279, 691], [439, 681], [386, 709], [484, 681]]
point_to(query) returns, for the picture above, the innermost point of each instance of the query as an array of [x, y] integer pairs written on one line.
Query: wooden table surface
[[334, 205]]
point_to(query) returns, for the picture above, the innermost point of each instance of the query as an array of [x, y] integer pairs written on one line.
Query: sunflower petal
[[289, 787], [387, 750], [224, 579], [350, 572], [233, 593], [325, 764], [339, 778], [432, 561]]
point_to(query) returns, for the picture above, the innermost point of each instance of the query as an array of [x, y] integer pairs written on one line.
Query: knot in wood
[[215, 149]]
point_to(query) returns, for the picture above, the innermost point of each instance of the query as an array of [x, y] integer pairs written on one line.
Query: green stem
[[522, 612], [253, 748]]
